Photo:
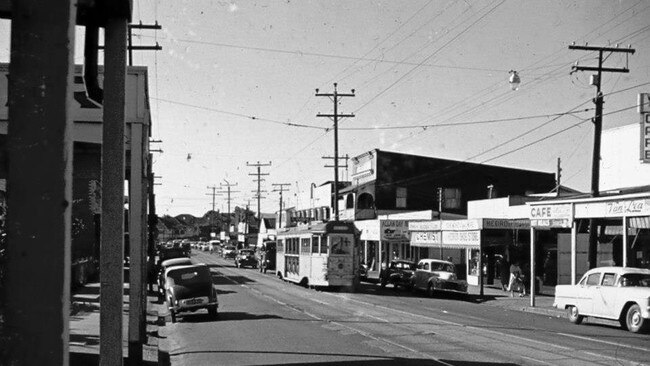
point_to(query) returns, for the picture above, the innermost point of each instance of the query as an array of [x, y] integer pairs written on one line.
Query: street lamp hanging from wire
[[514, 80]]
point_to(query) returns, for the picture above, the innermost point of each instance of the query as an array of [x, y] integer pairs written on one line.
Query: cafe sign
[[551, 215]]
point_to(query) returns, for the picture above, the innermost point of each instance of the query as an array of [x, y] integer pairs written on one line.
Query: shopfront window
[[474, 262]]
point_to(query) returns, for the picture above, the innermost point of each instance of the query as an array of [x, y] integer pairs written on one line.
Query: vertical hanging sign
[[644, 110]]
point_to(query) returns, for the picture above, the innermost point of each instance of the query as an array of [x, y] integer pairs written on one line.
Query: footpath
[[84, 327], [495, 296]]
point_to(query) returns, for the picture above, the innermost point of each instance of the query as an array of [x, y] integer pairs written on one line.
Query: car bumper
[[193, 304], [457, 287]]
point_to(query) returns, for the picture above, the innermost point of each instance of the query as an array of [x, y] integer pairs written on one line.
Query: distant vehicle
[[190, 288], [245, 258], [616, 293], [398, 273], [229, 252], [168, 263], [323, 254], [434, 275], [168, 253]]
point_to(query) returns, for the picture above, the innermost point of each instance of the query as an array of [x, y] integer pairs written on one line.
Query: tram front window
[[340, 245]]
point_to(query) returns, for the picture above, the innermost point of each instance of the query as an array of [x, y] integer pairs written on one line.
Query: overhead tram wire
[[316, 54], [448, 169], [397, 44], [554, 134], [338, 77], [420, 50], [380, 128], [427, 58], [254, 118]]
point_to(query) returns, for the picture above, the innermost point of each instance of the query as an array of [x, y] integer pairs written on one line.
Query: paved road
[[266, 321]]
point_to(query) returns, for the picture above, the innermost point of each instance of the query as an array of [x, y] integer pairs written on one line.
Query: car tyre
[[430, 290], [212, 311], [634, 322], [574, 315]]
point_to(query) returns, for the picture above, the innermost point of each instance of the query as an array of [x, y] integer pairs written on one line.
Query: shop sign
[[467, 238], [394, 229], [424, 225], [369, 229], [425, 238], [628, 208], [506, 224], [548, 223], [461, 225], [550, 212]]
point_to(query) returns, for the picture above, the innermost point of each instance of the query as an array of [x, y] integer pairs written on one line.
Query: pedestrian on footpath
[[504, 273], [515, 280]]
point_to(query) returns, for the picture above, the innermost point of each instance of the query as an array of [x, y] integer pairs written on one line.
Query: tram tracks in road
[[556, 353]]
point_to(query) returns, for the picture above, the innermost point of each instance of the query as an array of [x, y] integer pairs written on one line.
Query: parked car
[[398, 273], [616, 293], [434, 275], [190, 288], [245, 258], [229, 251], [163, 266]]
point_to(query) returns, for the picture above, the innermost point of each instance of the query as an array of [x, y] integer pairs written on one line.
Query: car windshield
[[190, 275], [635, 280]]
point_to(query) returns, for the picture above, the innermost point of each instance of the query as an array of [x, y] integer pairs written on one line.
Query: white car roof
[[175, 262], [175, 268], [619, 270], [434, 261]]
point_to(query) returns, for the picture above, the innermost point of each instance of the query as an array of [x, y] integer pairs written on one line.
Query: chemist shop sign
[[551, 215]]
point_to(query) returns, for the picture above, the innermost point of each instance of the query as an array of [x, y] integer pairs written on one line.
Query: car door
[[588, 292], [420, 274], [605, 296]]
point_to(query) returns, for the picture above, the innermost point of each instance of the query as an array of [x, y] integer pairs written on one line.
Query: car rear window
[[635, 280], [190, 275]]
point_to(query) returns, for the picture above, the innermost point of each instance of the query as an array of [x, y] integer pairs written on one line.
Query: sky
[[234, 85]]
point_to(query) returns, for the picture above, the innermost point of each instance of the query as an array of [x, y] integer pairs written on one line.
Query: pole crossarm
[[601, 69], [335, 117], [600, 48]]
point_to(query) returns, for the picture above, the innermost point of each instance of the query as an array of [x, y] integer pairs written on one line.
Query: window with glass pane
[[315, 241]]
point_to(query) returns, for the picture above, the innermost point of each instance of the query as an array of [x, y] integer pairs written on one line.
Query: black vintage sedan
[[398, 273], [245, 258], [190, 288]]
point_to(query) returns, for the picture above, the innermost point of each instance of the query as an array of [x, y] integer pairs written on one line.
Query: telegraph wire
[[317, 54], [466, 123]]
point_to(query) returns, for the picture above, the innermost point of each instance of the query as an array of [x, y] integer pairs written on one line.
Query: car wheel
[[430, 290], [574, 315], [212, 311], [634, 321]]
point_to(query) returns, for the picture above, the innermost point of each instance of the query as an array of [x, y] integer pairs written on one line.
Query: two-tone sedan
[[437, 276], [615, 293], [190, 288]]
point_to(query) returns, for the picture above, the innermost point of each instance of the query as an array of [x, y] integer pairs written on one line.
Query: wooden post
[[136, 263], [112, 230], [39, 184]]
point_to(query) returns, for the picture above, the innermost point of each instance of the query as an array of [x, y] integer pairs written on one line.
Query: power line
[[259, 180], [316, 54]]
